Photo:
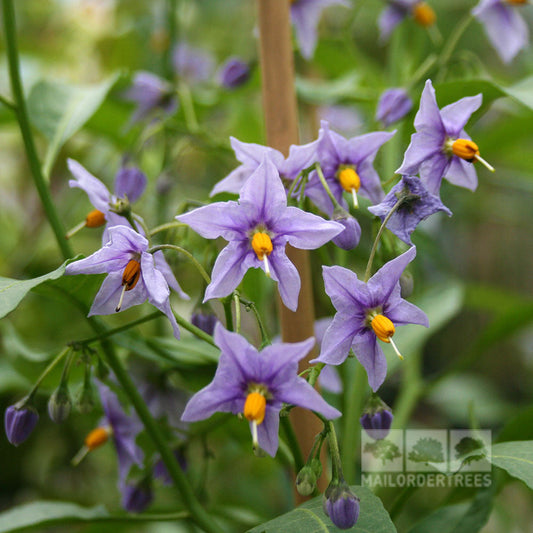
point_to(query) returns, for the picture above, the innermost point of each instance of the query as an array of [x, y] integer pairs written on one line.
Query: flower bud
[[316, 465], [341, 505], [349, 238], [306, 481], [393, 105], [136, 498], [233, 73], [85, 399], [59, 405], [19, 422], [377, 418], [205, 321]]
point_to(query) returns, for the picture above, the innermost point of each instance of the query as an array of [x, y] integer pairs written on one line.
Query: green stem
[[265, 339], [227, 312], [195, 262], [336, 465], [378, 237], [353, 406], [25, 129], [194, 330], [237, 303], [451, 44], [47, 371], [185, 97], [322, 179], [198, 513], [168, 65], [167, 225], [293, 444], [8, 104]]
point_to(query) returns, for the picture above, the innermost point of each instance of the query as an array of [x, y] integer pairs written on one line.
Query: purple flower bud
[[136, 498], [377, 425], [393, 105], [349, 238], [19, 423], [233, 73], [130, 182], [204, 321], [341, 505]]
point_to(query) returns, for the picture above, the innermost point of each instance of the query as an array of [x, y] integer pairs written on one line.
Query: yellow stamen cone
[[262, 246], [384, 330], [468, 150], [254, 407], [424, 15], [130, 277]]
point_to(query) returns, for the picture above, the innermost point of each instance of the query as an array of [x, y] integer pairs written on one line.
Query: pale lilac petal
[[428, 116], [162, 265], [433, 170], [299, 392], [221, 219], [348, 294], [338, 340], [286, 274], [462, 173], [97, 192], [393, 105], [366, 146], [390, 17], [383, 282], [231, 265], [130, 182], [108, 296], [211, 399], [406, 313], [252, 154], [234, 181], [330, 380], [279, 362], [371, 356], [267, 432], [456, 115], [156, 286], [305, 230], [300, 157], [422, 147]]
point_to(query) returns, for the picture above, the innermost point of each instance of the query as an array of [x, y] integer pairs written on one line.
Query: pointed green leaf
[[515, 457], [12, 291], [59, 110], [310, 517]]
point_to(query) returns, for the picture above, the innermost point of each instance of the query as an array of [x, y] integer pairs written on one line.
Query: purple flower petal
[[97, 192], [371, 356], [286, 274], [130, 182]]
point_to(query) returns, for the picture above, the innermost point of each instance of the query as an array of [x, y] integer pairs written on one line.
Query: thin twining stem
[[193, 259]]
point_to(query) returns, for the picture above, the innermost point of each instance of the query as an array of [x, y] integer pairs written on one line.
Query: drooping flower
[[347, 165], [417, 204], [133, 275], [256, 384], [397, 10], [341, 505], [258, 227], [440, 147], [367, 312], [233, 73], [130, 183], [192, 64], [20, 420], [251, 155], [151, 93], [305, 15], [393, 105], [504, 26]]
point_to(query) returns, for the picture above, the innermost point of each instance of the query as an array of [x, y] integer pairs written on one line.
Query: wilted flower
[[440, 147], [19, 422], [258, 227], [397, 10], [233, 73], [416, 205], [393, 105], [256, 384], [341, 505], [305, 15], [505, 27], [192, 64], [367, 312], [347, 165], [150, 93], [251, 155], [133, 275]]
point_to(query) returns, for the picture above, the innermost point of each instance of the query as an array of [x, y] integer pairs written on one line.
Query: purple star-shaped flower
[[366, 312], [397, 10], [347, 165], [257, 384], [132, 275], [440, 147], [150, 93], [305, 15], [417, 205], [251, 156], [505, 27], [393, 105], [258, 227]]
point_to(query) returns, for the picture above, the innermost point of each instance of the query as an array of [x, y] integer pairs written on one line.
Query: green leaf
[[522, 92], [44, 513], [516, 458], [58, 110], [328, 92], [12, 291], [310, 517]]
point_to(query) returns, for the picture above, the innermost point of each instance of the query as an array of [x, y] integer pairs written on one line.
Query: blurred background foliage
[[472, 274]]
